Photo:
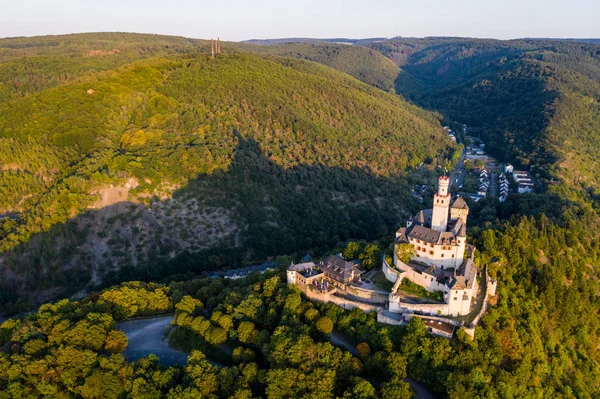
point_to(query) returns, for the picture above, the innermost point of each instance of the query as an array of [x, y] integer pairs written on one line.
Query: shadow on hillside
[[503, 98], [274, 211]]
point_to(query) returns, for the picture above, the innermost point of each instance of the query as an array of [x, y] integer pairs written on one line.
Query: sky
[[258, 19]]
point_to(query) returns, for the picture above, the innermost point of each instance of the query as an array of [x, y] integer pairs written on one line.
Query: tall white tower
[[441, 205]]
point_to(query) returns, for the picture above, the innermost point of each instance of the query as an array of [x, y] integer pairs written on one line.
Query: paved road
[[458, 167], [494, 185], [338, 338], [146, 336]]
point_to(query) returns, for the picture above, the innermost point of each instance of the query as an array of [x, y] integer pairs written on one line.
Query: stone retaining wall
[[425, 308], [364, 295], [390, 273], [342, 302]]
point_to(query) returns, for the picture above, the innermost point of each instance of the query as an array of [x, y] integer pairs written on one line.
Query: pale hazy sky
[[247, 19]]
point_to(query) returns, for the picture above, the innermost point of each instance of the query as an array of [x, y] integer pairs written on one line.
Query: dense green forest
[[182, 157], [367, 65], [258, 337], [533, 102], [247, 156]]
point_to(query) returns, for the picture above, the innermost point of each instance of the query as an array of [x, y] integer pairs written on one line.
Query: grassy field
[[381, 281]]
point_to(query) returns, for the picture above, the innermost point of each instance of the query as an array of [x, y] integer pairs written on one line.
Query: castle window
[[442, 255], [453, 255], [430, 252], [455, 298]]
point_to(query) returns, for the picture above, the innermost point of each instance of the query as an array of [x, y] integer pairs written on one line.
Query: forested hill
[[121, 168], [26, 67], [365, 64], [534, 102]]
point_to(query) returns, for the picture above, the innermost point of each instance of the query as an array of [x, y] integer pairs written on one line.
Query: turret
[[459, 210], [441, 205], [444, 184]]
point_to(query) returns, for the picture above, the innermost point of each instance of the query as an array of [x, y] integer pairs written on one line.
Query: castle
[[431, 251], [438, 241]]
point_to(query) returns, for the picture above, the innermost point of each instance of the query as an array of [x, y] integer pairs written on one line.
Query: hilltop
[[363, 63], [117, 170]]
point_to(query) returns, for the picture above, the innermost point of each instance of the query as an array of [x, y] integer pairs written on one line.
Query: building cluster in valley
[[431, 252], [523, 180], [488, 177], [484, 182]]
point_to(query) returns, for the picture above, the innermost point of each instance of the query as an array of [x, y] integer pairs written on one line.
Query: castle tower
[[441, 205], [459, 210]]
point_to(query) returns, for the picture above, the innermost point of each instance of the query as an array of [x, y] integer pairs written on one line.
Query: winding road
[[147, 336], [338, 338]]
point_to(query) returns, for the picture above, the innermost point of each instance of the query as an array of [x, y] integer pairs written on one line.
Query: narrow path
[[147, 336], [338, 338]]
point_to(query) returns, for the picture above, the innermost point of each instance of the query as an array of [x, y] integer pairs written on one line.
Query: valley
[[138, 173]]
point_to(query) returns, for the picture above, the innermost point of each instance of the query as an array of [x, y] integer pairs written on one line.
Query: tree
[[396, 389], [324, 325], [202, 373], [361, 390], [246, 332], [189, 305], [370, 256], [351, 250], [116, 341], [396, 365], [404, 252], [364, 350], [311, 314]]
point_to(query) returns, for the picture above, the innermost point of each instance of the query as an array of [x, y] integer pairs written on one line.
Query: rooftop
[[339, 269], [460, 203], [439, 325], [457, 283], [425, 234], [301, 266]]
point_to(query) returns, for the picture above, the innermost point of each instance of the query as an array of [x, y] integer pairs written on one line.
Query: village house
[[524, 181]]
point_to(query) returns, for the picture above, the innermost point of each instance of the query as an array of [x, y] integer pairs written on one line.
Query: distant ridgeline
[[533, 102], [122, 155]]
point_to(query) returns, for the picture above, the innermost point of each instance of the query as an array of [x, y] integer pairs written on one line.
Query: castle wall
[[342, 302], [390, 274], [293, 277], [424, 280], [363, 295], [433, 309]]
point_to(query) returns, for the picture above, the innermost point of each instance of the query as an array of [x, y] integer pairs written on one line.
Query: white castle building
[[438, 237]]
